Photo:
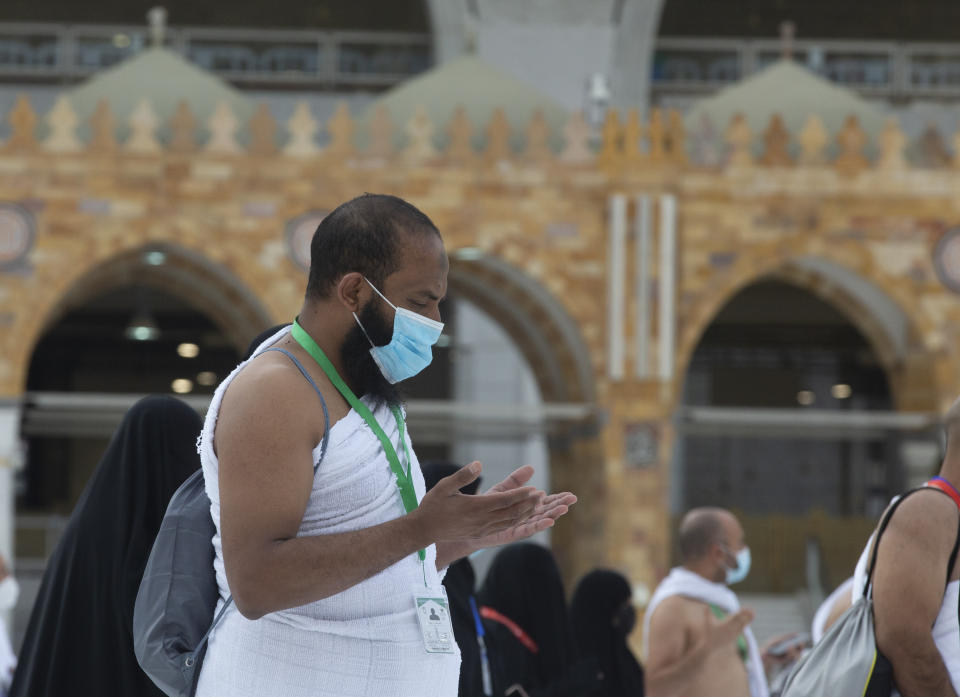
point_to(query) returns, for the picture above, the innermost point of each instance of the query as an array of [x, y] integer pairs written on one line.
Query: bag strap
[[883, 526], [192, 656]]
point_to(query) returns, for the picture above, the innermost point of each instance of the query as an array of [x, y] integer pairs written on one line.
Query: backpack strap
[[883, 526], [192, 656]]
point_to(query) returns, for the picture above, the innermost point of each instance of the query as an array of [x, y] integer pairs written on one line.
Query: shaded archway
[[776, 422], [201, 319], [94, 357], [875, 306]]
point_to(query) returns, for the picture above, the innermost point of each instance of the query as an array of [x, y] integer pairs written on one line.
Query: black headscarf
[[601, 626], [524, 584], [80, 637], [460, 583]]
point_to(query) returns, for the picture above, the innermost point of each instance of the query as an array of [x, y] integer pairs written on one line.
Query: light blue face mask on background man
[[411, 348], [743, 567]]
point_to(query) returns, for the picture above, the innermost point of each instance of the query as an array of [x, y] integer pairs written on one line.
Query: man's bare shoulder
[[270, 393], [268, 377], [926, 512]]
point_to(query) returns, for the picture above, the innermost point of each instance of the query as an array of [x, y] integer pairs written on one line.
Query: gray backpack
[[178, 593], [846, 662]]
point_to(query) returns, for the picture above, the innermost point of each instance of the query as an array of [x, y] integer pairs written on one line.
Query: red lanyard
[[515, 629], [946, 487]]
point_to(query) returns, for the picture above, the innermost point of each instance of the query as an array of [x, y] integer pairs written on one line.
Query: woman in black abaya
[[527, 622], [603, 618], [79, 640]]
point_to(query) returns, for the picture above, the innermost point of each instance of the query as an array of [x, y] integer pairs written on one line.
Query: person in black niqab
[[524, 586], [79, 640], [603, 617]]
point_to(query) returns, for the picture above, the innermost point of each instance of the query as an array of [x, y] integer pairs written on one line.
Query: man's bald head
[[702, 528]]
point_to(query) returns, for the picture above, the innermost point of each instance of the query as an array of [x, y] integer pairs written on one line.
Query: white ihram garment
[[364, 641]]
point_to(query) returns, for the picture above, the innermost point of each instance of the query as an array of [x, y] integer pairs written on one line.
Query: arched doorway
[[158, 319], [790, 419], [777, 346]]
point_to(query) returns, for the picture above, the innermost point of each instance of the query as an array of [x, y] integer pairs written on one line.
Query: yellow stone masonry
[[528, 230]]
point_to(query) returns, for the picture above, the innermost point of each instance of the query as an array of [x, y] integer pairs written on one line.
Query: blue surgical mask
[[410, 349], [743, 567]]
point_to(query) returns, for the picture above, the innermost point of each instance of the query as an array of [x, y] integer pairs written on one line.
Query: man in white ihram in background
[[337, 576], [697, 642]]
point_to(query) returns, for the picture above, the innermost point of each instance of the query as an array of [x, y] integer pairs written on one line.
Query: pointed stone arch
[[204, 284], [896, 337]]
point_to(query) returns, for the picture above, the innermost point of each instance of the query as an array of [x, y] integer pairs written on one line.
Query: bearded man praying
[[325, 536]]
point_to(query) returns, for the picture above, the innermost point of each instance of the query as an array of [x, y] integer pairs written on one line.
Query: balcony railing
[[247, 57], [879, 69], [61, 53]]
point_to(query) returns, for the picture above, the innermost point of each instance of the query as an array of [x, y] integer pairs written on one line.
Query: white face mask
[[9, 593]]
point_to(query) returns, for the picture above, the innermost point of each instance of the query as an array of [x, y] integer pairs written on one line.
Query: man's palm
[[551, 508]]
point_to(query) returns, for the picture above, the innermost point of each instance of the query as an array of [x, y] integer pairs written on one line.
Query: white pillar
[[616, 288], [642, 288], [668, 273]]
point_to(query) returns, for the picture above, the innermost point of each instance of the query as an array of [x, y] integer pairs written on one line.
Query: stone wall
[[529, 237]]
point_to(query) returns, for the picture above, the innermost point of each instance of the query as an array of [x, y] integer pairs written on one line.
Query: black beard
[[361, 371]]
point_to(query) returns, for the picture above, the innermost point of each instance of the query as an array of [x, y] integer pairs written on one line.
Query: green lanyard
[[404, 479]]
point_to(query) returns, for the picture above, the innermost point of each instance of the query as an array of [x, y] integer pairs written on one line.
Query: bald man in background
[[697, 642]]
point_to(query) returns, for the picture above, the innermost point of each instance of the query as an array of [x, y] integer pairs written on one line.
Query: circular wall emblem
[[16, 235], [946, 260], [299, 235]]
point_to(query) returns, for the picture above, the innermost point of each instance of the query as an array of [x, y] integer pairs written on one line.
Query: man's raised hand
[[550, 508], [447, 514]]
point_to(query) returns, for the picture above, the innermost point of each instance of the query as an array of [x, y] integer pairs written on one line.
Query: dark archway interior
[[774, 340], [87, 351], [778, 346]]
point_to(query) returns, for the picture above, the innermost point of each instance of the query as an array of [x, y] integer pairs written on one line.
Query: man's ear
[[350, 291]]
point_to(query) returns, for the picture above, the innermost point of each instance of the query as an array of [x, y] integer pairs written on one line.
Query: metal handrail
[[68, 52], [681, 65], [687, 65]]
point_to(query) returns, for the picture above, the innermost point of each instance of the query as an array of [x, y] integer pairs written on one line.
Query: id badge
[[433, 613]]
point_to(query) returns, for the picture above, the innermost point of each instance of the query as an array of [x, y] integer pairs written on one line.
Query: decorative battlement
[[621, 144]]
